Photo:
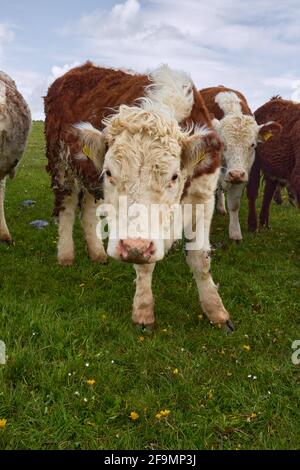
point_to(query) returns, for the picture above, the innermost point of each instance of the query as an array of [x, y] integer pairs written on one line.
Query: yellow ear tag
[[267, 136], [201, 156], [87, 151]]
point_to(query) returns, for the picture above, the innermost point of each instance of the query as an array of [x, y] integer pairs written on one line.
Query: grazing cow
[[236, 125], [138, 151], [278, 160], [15, 123]]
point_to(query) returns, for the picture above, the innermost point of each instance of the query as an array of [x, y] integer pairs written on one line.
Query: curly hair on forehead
[[137, 120]]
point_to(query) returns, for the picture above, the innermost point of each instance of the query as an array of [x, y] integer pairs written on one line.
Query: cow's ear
[[94, 144], [269, 131], [198, 147]]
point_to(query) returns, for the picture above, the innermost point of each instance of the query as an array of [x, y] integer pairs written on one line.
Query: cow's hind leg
[[66, 218], [199, 262], [4, 232], [143, 304], [270, 188], [89, 221]]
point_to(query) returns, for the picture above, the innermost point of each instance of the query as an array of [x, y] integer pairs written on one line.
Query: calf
[[15, 123], [139, 152], [278, 160], [236, 125]]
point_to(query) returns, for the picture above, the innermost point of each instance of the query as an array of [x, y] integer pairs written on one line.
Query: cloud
[[251, 47], [34, 86], [7, 35], [220, 41]]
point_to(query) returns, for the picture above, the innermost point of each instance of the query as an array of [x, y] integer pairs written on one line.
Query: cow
[[278, 160], [110, 134], [236, 125], [15, 122]]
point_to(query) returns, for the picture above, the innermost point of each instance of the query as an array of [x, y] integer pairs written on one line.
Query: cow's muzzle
[[236, 177], [136, 250]]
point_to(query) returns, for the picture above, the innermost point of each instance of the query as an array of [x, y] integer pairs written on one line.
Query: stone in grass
[[40, 224], [28, 203]]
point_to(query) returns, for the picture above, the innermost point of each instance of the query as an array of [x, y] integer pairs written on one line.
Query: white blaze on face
[[239, 133], [144, 165]]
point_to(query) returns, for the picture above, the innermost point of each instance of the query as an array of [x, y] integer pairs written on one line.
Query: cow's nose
[[237, 176], [136, 250]]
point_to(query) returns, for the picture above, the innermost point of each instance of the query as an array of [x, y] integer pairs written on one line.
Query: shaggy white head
[[148, 159]]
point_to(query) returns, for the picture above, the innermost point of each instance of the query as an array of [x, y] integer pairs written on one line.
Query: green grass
[[56, 320]]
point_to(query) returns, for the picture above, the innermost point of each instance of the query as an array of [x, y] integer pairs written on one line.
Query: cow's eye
[[175, 177], [253, 145], [108, 173]]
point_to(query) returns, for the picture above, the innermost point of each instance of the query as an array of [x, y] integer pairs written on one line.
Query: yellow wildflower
[[3, 423], [141, 339], [175, 371], [165, 413], [210, 395], [91, 382], [246, 347], [134, 416], [158, 416]]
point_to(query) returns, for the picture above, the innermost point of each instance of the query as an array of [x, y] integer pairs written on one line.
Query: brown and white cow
[[15, 123], [141, 153], [237, 127]]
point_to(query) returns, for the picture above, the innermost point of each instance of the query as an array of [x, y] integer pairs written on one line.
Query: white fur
[[229, 102], [171, 90]]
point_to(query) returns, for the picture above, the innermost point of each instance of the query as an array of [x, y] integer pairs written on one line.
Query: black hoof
[[229, 327]]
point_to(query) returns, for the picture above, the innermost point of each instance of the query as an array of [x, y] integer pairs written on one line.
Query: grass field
[[65, 326]]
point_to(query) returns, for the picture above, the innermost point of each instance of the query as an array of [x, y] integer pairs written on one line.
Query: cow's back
[[209, 96]]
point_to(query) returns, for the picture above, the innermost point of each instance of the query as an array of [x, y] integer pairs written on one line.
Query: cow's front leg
[[199, 262], [143, 304], [4, 232], [234, 197], [89, 221]]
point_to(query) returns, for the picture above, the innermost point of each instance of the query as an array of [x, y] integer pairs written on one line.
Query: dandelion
[[246, 347], [158, 416], [134, 416], [175, 371], [91, 382], [165, 413], [3, 423], [210, 395], [229, 374], [141, 339]]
